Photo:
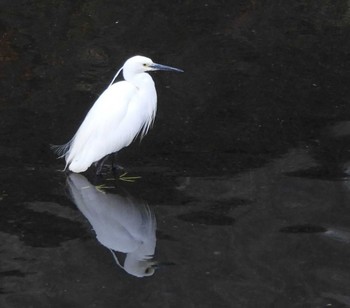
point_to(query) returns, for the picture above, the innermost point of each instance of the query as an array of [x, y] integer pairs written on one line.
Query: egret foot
[[118, 170], [100, 164]]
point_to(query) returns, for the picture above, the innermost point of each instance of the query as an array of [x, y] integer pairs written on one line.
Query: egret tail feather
[[61, 150]]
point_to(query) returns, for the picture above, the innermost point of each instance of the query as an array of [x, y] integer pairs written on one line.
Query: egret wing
[[90, 143]]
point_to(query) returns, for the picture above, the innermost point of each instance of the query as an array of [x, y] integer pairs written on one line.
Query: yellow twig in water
[[130, 179], [101, 188]]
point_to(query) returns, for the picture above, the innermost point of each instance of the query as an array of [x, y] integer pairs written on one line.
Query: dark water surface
[[244, 196]]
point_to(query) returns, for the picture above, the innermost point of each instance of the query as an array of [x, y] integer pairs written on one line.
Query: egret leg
[[116, 168], [99, 165]]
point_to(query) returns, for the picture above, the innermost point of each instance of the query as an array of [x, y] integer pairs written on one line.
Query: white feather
[[124, 110], [118, 116], [123, 224]]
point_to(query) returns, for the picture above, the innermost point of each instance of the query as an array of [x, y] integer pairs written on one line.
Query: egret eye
[[144, 64], [149, 271]]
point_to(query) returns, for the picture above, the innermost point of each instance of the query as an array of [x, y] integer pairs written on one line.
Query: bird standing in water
[[123, 111]]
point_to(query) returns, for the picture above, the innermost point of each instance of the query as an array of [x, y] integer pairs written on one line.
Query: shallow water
[[243, 199]]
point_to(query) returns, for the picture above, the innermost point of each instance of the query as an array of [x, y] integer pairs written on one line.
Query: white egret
[[124, 110], [121, 224]]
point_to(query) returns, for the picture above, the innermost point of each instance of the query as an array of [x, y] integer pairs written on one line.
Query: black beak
[[161, 264], [161, 67]]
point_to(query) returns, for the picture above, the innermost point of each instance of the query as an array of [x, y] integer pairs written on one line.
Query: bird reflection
[[121, 224]]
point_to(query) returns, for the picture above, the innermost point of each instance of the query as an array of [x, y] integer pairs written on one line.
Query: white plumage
[[121, 224], [122, 112]]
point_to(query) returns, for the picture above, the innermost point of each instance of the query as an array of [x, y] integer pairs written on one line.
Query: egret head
[[140, 64], [139, 268], [150, 270], [146, 268]]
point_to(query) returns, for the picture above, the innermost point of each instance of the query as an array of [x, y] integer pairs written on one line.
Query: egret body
[[124, 110]]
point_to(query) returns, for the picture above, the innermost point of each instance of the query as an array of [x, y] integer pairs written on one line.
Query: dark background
[[257, 129]]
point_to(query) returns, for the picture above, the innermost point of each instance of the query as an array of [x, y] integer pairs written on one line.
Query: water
[[245, 173]]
